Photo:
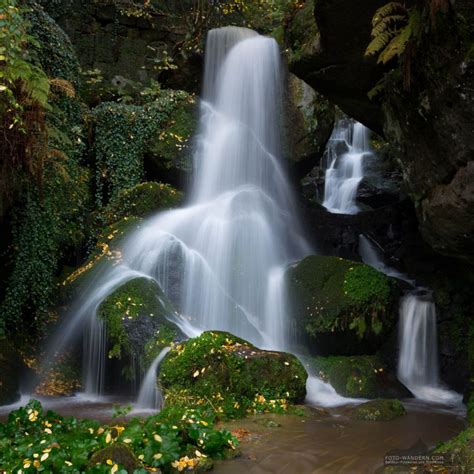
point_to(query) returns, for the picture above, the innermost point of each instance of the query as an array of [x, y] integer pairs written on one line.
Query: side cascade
[[149, 396], [224, 252], [418, 348], [346, 151]]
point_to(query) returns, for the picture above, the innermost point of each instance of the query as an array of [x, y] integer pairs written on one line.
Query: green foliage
[[33, 441], [19, 77], [121, 133], [230, 377]]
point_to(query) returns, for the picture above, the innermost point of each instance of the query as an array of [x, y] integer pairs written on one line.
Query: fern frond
[[379, 43], [396, 46], [390, 8]]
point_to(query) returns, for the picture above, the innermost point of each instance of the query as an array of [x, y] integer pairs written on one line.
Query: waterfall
[[345, 153], [221, 258], [418, 351], [149, 396]]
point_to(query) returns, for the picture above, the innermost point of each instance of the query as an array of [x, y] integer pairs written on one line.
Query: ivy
[[121, 133]]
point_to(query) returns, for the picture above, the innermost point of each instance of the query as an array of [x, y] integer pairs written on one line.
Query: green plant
[[33, 440]]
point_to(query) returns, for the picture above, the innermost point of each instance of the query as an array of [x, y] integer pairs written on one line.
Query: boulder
[[342, 307], [224, 370], [359, 377], [309, 122], [9, 377], [137, 326], [377, 410]]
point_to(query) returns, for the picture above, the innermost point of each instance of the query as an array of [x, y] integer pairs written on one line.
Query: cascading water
[[230, 244], [345, 153], [149, 396], [418, 352]]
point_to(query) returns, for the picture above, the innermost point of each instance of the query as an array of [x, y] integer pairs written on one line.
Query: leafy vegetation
[[174, 440]]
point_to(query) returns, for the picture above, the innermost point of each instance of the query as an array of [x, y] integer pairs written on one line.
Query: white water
[[418, 349], [345, 153], [221, 259], [149, 396]]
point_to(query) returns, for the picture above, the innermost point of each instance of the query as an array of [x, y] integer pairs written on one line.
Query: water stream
[[345, 153], [418, 347]]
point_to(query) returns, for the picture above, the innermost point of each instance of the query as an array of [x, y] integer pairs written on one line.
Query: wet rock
[[342, 307], [137, 321], [377, 410], [359, 377]]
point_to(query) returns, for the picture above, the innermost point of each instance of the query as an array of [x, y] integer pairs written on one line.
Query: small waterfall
[[345, 153], [150, 397], [418, 349]]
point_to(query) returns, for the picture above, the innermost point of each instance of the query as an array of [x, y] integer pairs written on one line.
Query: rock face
[[342, 307], [335, 65], [430, 124], [220, 367], [129, 40], [309, 122], [435, 133], [359, 377]]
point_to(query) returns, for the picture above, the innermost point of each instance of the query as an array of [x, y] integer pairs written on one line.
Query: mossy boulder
[[231, 375], [141, 201], [137, 326], [119, 454], [342, 307], [9, 380], [377, 410], [359, 377], [168, 153]]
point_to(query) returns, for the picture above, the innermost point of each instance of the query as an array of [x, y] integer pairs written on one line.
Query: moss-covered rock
[[141, 201], [119, 454], [231, 375], [377, 410], [137, 325], [359, 377], [342, 307], [9, 380]]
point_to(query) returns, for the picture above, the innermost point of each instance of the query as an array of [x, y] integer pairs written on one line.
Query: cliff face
[[431, 125]]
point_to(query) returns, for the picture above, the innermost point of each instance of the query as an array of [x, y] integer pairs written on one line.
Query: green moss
[[460, 450], [231, 376], [333, 294], [119, 454], [135, 315], [358, 376], [141, 201], [378, 410]]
